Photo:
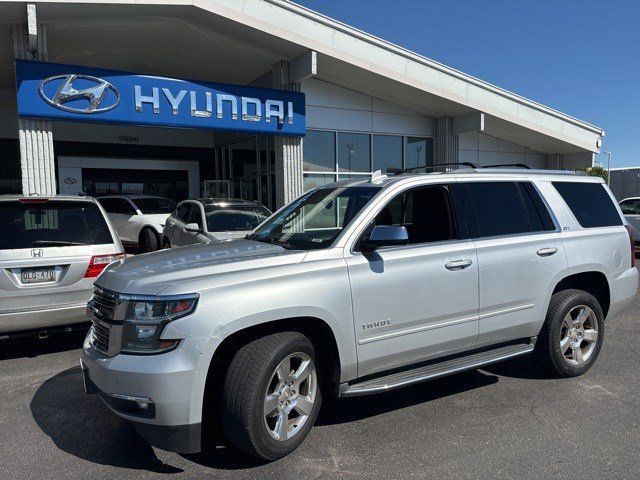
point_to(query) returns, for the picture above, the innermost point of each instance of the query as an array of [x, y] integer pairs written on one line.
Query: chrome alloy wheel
[[290, 396], [579, 335]]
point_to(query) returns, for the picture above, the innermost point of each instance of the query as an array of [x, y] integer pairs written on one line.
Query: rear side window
[[590, 203], [498, 208], [51, 224], [630, 207], [537, 212]]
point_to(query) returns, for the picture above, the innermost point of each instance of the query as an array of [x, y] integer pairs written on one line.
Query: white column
[[288, 150], [554, 161], [36, 138], [446, 142]]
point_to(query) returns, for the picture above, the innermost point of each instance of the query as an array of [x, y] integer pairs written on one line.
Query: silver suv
[[357, 288], [51, 251]]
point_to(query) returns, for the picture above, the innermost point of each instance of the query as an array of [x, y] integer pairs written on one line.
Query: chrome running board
[[439, 369]]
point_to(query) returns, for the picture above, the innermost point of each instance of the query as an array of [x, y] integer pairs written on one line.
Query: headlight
[[145, 319]]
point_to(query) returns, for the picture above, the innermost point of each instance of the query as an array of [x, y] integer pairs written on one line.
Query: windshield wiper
[[55, 243], [270, 240]]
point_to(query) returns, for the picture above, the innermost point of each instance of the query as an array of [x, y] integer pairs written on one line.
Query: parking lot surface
[[507, 421]]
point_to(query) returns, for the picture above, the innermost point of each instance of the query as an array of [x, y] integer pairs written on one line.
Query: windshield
[[151, 206], [52, 223], [234, 218], [316, 219]]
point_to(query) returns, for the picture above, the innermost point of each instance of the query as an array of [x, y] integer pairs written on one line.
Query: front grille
[[103, 306]]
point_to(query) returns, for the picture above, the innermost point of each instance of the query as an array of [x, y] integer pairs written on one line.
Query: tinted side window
[[194, 215], [181, 212], [590, 203], [498, 208], [124, 207], [630, 207], [426, 213], [537, 212], [107, 204]]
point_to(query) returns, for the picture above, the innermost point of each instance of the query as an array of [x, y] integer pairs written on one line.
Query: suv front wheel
[[571, 337], [271, 395]]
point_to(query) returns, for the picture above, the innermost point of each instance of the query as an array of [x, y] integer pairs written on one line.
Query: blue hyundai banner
[[80, 94]]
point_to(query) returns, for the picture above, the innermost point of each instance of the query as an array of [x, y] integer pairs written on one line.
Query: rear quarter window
[[590, 203], [52, 223]]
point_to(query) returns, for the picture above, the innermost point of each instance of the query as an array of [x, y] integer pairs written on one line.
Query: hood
[[159, 218], [151, 273]]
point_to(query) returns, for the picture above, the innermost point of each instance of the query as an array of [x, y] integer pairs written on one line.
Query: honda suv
[[357, 288], [51, 251]]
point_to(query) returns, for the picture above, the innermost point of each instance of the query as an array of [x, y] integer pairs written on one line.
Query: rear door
[[520, 255], [45, 250]]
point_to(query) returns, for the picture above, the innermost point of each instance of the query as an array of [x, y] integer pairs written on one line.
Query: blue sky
[[581, 57]]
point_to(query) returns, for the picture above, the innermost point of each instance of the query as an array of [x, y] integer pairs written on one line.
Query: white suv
[[138, 219], [357, 288], [51, 251]]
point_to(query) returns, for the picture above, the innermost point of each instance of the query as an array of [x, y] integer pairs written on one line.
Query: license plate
[[38, 275]]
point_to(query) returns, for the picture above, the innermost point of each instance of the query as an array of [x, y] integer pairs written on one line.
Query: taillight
[[99, 262], [633, 245]]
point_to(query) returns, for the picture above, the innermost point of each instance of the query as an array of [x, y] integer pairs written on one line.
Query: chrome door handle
[[458, 264], [547, 251]]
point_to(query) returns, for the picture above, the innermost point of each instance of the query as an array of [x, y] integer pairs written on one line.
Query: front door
[[419, 301]]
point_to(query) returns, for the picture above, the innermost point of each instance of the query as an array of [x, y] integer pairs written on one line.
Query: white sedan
[[138, 219], [204, 220]]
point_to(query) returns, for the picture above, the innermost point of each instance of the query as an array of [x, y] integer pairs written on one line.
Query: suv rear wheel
[[271, 395], [571, 337]]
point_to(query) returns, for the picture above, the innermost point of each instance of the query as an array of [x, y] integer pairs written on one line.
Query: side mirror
[[192, 227], [384, 236]]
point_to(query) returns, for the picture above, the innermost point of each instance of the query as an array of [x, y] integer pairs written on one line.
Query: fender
[[343, 334]]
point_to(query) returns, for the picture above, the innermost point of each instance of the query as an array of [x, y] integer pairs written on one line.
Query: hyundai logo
[[95, 94], [36, 252]]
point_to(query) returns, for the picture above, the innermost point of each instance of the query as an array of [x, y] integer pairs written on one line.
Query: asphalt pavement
[[507, 421]]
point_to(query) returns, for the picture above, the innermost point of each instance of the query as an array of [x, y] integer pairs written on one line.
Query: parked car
[[357, 288], [51, 251], [631, 209], [139, 219], [203, 220]]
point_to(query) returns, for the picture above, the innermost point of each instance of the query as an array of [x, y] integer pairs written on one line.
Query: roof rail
[[420, 167], [501, 165]]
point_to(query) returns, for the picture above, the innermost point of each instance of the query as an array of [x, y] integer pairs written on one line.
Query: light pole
[[608, 154]]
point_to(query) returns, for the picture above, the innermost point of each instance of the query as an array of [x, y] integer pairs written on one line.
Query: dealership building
[[260, 99]]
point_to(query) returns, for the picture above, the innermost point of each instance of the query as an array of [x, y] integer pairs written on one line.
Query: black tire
[[148, 240], [247, 381], [548, 349]]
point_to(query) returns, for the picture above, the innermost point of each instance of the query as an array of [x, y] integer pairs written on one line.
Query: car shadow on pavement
[[30, 347], [346, 410], [82, 426], [523, 367]]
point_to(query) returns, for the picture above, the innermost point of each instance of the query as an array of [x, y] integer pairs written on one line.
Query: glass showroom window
[[354, 152], [387, 152], [418, 151], [331, 156]]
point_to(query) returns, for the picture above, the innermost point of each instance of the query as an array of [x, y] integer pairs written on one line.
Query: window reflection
[[354, 152], [387, 152]]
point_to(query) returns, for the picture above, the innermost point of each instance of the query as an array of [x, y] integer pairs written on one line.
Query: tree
[[596, 171]]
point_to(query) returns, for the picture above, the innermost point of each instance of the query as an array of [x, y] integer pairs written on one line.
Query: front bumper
[[154, 392]]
